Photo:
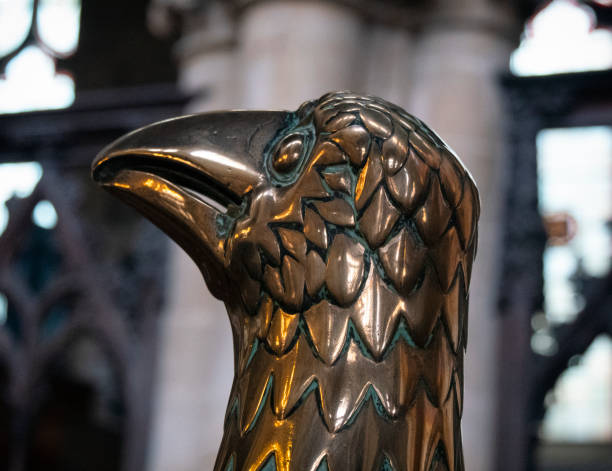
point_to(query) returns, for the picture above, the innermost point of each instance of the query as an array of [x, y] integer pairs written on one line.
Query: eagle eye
[[288, 153]]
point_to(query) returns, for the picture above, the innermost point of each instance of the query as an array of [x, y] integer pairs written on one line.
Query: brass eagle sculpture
[[340, 238]]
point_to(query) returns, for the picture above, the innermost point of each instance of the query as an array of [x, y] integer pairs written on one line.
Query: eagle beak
[[185, 173]]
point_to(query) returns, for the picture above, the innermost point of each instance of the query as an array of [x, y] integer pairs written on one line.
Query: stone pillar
[[196, 359], [273, 55], [295, 51], [195, 373], [207, 54], [459, 56], [441, 65], [387, 62]]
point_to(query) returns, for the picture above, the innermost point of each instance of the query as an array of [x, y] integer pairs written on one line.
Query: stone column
[[196, 359], [295, 51], [459, 56], [272, 55], [387, 62], [441, 65], [194, 375]]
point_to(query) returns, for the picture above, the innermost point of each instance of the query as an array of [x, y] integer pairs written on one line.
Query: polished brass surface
[[341, 239]]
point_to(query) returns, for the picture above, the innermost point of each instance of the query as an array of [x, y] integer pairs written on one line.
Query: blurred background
[[113, 356]]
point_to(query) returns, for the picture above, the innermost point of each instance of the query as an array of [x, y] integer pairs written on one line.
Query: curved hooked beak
[[184, 173]]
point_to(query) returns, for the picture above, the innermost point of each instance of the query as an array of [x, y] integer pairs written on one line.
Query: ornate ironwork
[[78, 281], [535, 103], [341, 239], [37, 336], [31, 38]]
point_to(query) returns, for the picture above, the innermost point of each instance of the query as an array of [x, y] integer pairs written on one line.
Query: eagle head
[[340, 238]]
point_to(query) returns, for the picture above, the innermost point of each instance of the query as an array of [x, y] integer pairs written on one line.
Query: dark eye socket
[[288, 153]]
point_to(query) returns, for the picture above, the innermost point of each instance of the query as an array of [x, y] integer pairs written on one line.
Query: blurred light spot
[[579, 159], [59, 24], [561, 39], [3, 309], [16, 180], [539, 321], [543, 343], [574, 360], [32, 84], [15, 16], [581, 410], [549, 399], [44, 215]]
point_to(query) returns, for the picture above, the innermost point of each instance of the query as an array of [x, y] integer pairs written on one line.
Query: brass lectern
[[340, 238]]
